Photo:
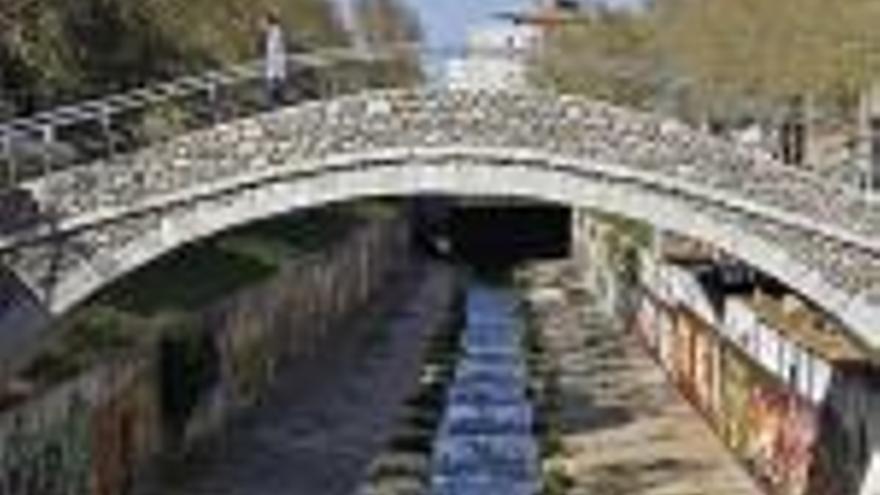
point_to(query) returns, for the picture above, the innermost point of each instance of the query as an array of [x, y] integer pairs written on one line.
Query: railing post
[[48, 135], [10, 157], [293, 83], [213, 103], [332, 88], [107, 128], [325, 88], [346, 79]]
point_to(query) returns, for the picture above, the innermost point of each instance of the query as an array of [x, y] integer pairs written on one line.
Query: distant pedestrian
[[275, 56]]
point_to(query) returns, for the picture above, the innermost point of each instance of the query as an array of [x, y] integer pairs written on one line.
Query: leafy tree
[[384, 24], [55, 50], [790, 62], [606, 54], [794, 63], [775, 49]]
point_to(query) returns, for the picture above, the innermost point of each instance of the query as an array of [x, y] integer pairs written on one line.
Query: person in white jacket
[[275, 63]]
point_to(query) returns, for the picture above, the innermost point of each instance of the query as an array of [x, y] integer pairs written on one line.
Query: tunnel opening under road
[[494, 234]]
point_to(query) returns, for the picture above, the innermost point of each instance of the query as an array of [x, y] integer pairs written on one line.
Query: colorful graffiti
[[781, 432], [791, 444], [704, 368]]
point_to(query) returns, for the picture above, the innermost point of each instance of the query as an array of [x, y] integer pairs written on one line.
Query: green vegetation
[[88, 337], [55, 51], [55, 47], [202, 273], [729, 60], [636, 233], [774, 50], [610, 55], [556, 480], [386, 23]]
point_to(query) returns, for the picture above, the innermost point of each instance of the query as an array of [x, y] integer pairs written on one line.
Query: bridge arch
[[117, 215]]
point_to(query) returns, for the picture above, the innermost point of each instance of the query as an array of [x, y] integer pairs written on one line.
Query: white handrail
[[96, 108]]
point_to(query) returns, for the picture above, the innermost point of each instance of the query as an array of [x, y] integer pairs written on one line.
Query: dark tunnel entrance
[[494, 233]]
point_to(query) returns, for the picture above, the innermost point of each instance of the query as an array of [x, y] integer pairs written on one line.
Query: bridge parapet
[[826, 237], [524, 125]]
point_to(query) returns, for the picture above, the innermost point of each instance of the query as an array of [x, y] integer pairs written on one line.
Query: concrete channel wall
[[800, 423], [96, 433], [792, 443]]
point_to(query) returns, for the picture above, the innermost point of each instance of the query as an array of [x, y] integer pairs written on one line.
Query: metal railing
[[74, 134]]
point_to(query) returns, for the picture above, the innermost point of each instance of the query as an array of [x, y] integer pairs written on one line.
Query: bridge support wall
[[801, 422]]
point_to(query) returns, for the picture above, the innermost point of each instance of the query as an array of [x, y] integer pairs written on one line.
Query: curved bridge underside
[[111, 217]]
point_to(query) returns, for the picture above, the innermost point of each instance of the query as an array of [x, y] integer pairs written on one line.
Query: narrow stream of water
[[485, 443]]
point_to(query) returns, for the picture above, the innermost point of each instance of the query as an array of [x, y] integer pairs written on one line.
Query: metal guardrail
[[74, 134], [48, 141]]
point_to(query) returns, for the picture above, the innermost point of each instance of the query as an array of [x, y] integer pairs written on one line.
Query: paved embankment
[[623, 429], [319, 427]]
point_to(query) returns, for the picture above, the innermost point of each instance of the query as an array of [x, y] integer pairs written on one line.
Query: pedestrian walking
[[275, 63]]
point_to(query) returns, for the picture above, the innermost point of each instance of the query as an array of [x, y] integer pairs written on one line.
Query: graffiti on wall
[[684, 338], [735, 388], [793, 445], [782, 430], [704, 368]]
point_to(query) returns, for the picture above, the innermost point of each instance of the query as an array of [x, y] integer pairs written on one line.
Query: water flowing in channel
[[485, 444]]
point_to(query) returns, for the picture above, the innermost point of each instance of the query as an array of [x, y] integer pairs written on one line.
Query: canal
[[474, 384], [485, 443]]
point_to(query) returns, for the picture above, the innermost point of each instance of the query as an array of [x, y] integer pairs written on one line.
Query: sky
[[447, 22]]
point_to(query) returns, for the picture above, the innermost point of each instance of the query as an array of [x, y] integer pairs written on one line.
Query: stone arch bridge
[[113, 215]]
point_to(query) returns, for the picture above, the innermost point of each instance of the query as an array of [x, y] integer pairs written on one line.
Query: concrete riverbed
[[623, 428]]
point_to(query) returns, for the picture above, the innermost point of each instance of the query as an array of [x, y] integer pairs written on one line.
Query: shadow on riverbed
[[632, 477], [581, 413]]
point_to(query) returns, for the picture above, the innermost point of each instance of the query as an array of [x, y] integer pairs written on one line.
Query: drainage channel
[[485, 443]]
